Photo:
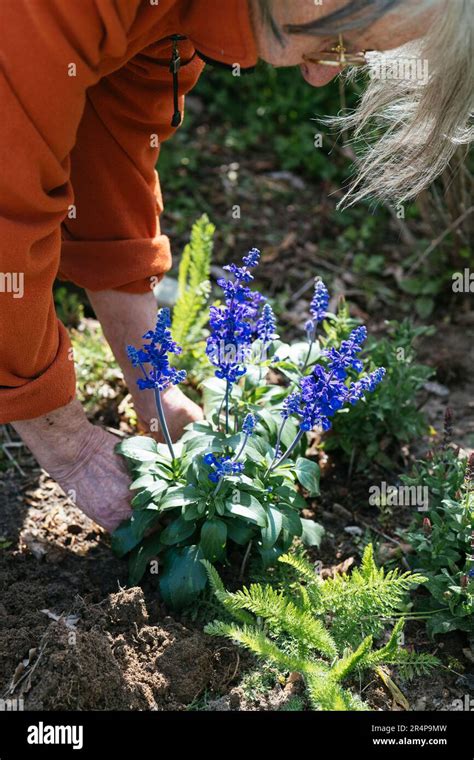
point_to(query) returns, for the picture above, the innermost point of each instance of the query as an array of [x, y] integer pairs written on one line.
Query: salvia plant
[[234, 479], [374, 431], [324, 629], [442, 538]]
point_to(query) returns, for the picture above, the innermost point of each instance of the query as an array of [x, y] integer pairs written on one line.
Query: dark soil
[[71, 637]]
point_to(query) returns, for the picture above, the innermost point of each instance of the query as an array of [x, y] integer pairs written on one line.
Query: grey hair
[[406, 127], [411, 126]]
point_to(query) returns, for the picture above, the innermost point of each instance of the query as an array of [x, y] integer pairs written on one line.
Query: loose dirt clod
[[96, 647]]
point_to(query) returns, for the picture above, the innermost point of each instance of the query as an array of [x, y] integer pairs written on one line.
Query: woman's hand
[[81, 458]]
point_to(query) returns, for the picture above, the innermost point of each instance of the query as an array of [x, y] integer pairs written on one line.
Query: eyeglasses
[[338, 56]]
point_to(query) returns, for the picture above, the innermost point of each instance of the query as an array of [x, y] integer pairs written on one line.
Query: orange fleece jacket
[[86, 95]]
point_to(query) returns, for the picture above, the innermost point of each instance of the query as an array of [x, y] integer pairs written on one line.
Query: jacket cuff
[[134, 266], [54, 388]]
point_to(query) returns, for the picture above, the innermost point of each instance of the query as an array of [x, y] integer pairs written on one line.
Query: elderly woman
[[89, 91]]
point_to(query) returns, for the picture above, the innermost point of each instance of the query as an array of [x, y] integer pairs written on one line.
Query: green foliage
[[371, 432], [99, 378], [442, 539], [192, 519], [275, 106], [69, 306], [323, 629], [190, 315]]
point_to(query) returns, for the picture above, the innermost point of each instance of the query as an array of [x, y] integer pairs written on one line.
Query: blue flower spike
[[153, 360]]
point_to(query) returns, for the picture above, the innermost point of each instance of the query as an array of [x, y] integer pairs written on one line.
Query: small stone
[[353, 530]]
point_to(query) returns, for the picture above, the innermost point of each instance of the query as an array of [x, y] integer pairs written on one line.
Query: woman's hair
[[418, 107]]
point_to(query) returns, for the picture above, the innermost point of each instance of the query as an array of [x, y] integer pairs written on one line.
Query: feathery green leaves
[[323, 629]]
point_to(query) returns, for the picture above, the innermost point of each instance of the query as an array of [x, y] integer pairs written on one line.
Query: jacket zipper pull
[[174, 69]]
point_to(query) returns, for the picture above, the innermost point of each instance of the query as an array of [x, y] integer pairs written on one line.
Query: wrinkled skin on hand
[[99, 482], [81, 457]]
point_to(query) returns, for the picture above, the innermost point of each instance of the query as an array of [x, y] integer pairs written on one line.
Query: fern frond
[[304, 569], [325, 694], [213, 576], [361, 602], [344, 667], [193, 283], [312, 616], [281, 613], [414, 664], [258, 643], [409, 664]]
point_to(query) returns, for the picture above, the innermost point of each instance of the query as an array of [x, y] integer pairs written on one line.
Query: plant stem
[[277, 445], [289, 451], [162, 419], [311, 344], [240, 451], [245, 560], [227, 394]]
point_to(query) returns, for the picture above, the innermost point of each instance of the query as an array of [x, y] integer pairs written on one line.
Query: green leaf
[[424, 306], [148, 481], [213, 391], [247, 506], [177, 531], [299, 352], [124, 539], [272, 531], [270, 421], [178, 497], [289, 433], [239, 532], [183, 576], [138, 448], [141, 556], [269, 555], [307, 473], [312, 532], [142, 521], [213, 539], [148, 495], [291, 520]]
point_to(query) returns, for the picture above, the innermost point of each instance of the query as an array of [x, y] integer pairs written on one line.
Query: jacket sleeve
[[72, 150], [113, 240], [50, 52]]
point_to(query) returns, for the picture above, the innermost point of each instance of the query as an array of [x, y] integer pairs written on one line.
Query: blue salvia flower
[[222, 467], [319, 304], [266, 326], [232, 326], [291, 405], [153, 357], [252, 258], [322, 393], [471, 572], [340, 360], [366, 384], [318, 308], [248, 425]]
